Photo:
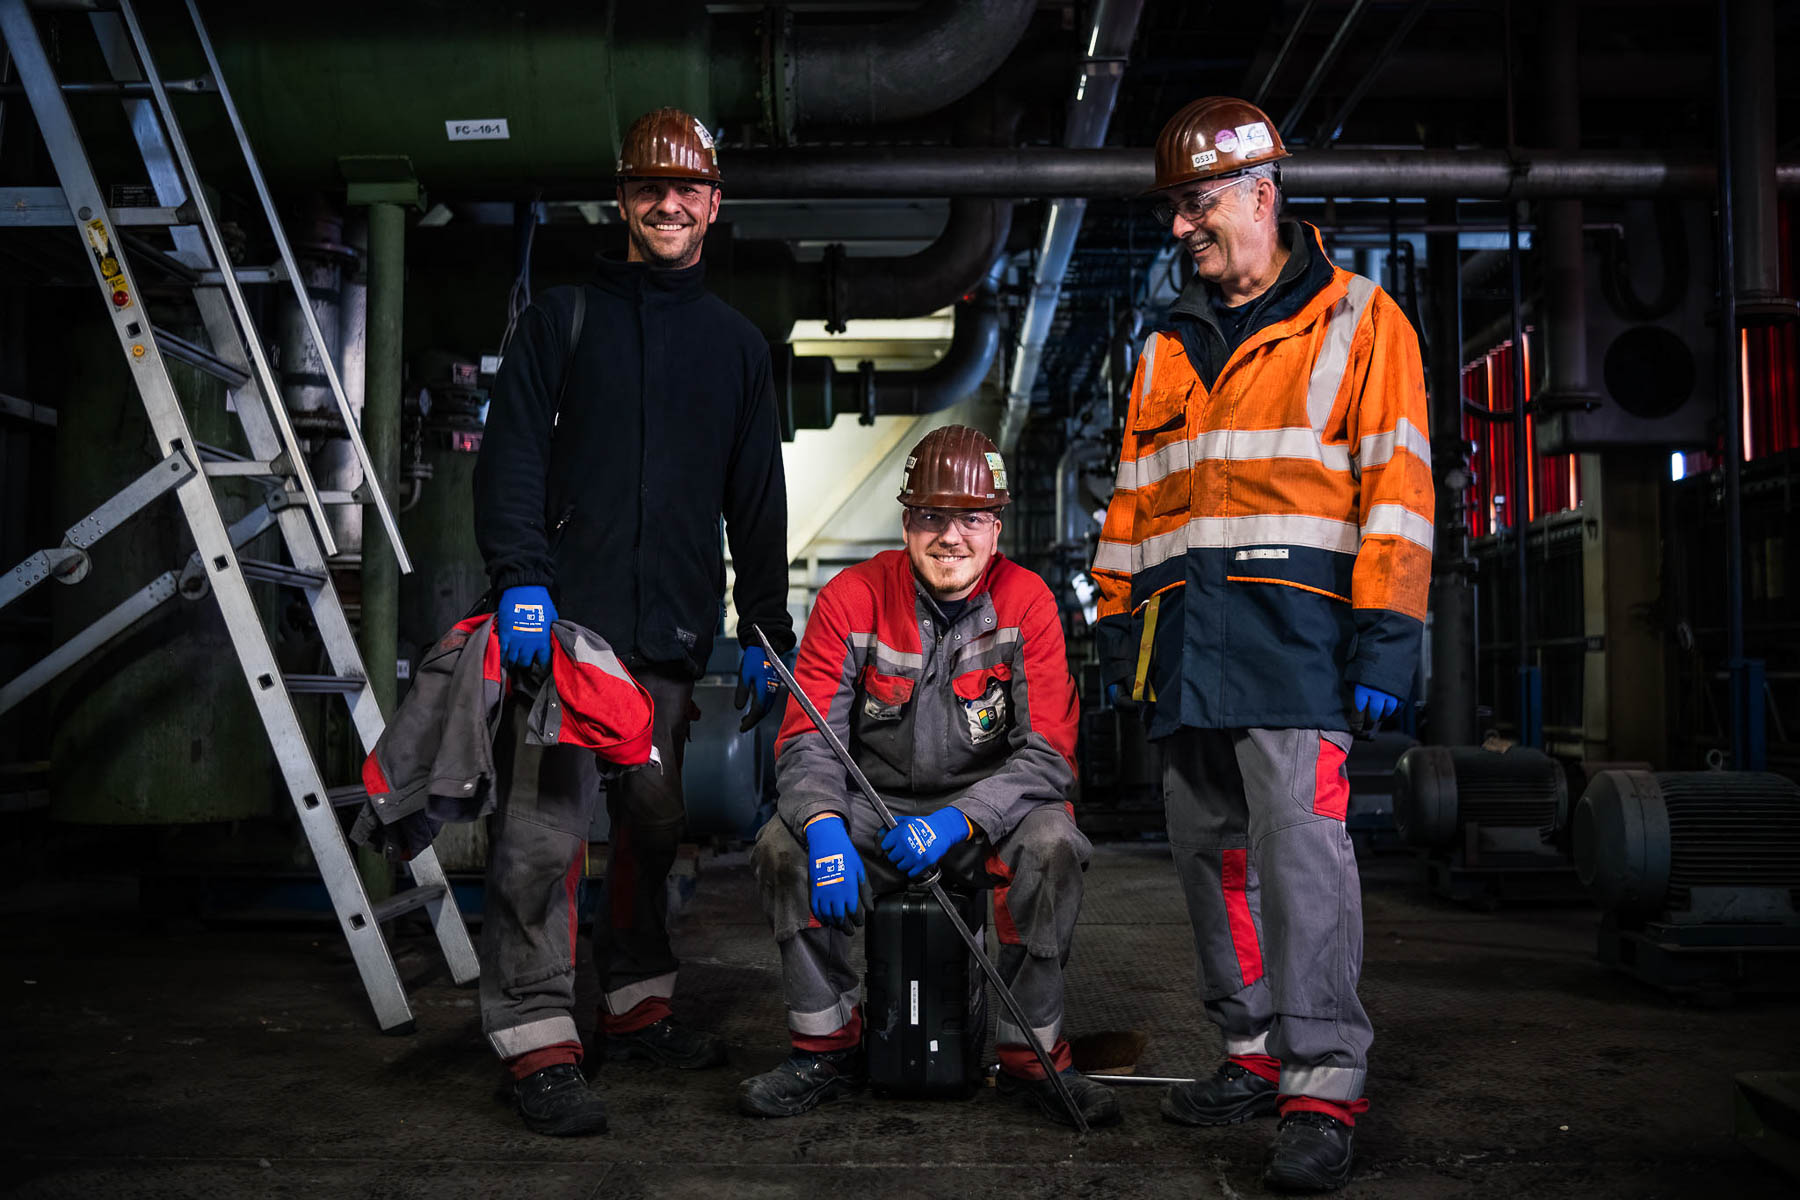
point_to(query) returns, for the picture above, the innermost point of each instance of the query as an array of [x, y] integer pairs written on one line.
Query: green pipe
[[381, 433], [337, 78]]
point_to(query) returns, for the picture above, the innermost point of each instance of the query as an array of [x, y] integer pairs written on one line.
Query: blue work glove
[[1375, 705], [836, 870], [523, 624], [1119, 698], [759, 685], [916, 843]]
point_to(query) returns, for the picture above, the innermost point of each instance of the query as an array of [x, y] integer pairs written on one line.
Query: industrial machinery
[[1484, 822], [1698, 877]]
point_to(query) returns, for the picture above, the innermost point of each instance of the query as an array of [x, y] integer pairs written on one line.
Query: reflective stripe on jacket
[[981, 714], [1278, 525]]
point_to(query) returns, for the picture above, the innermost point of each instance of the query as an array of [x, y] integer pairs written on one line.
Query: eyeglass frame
[[1164, 211], [957, 516]]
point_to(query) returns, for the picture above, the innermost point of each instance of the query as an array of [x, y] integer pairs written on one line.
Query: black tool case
[[925, 1022]]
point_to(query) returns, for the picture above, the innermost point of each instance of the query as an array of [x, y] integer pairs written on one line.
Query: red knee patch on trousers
[[1005, 928], [1018, 1059], [840, 1039], [533, 1061], [645, 1012], [1234, 880], [1331, 786], [1345, 1112], [1265, 1065]]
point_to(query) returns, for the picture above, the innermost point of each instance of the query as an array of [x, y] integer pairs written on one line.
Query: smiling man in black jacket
[[598, 498]]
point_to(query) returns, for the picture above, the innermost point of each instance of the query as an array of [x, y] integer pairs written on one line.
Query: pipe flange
[[778, 76]]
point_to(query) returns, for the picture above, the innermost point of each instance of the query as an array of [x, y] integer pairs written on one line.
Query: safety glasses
[[1193, 206], [936, 520]]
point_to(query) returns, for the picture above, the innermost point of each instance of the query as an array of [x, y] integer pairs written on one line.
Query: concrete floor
[[196, 1062]]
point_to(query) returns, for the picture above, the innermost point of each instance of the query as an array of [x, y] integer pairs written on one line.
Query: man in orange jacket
[[1263, 573]]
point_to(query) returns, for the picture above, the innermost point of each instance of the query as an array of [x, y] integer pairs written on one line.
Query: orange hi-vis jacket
[[1269, 538]]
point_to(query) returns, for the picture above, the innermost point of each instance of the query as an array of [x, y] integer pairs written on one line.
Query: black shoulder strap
[[575, 319]]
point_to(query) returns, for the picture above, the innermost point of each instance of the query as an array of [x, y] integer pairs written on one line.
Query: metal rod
[[129, 89], [1330, 130], [1729, 411], [1013, 1007], [265, 376], [1519, 508], [1327, 60], [1110, 173], [384, 511], [1287, 45]]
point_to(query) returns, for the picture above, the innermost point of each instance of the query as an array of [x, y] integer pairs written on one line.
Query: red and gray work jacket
[[435, 760], [980, 714]]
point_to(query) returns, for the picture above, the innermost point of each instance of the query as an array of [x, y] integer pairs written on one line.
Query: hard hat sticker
[[1226, 140], [1254, 137], [700, 132], [997, 465], [1206, 158]]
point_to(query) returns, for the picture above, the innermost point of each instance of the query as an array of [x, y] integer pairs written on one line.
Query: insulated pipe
[[948, 269], [816, 392], [904, 67], [1112, 173], [1756, 238], [381, 432], [1073, 519], [1106, 47], [1559, 221]]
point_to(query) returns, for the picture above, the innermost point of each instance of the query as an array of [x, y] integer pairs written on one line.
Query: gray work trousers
[[1256, 825], [537, 846], [1034, 871]]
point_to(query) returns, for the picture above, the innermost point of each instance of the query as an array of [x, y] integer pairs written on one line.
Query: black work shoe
[[1095, 1100], [669, 1044], [556, 1101], [1233, 1094], [1311, 1153], [802, 1083]]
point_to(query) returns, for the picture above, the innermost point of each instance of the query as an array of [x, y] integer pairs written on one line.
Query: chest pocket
[[1159, 436], [986, 701], [885, 697]]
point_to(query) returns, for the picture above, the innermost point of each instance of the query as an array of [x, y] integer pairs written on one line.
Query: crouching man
[[942, 669]]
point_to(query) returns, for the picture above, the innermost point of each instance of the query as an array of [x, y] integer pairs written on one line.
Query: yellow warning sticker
[[97, 236], [109, 266]]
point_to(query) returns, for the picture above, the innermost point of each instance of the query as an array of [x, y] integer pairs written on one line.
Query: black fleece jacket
[[1195, 321], [667, 424]]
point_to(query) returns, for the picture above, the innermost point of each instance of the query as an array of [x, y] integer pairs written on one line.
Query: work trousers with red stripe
[[1256, 824], [1035, 873], [537, 843]]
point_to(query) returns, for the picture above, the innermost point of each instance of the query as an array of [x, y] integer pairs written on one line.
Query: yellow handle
[[1140, 688]]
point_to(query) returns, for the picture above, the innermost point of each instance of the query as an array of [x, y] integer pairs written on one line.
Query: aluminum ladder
[[235, 355]]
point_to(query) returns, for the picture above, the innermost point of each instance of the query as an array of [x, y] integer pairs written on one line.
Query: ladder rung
[[274, 572], [182, 350], [150, 215], [274, 274], [316, 685], [255, 470], [150, 256], [351, 795], [406, 901]]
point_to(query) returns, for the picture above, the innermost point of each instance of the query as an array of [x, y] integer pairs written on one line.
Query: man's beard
[[654, 257]]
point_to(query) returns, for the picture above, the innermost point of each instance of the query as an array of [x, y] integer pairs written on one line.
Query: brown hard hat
[[1215, 136], [954, 466], [668, 144]]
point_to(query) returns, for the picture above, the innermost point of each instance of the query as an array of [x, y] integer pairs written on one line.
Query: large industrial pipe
[[815, 391], [1090, 106], [1111, 173], [1559, 231], [907, 66], [1756, 237]]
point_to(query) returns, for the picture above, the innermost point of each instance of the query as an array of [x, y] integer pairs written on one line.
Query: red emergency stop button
[[121, 298]]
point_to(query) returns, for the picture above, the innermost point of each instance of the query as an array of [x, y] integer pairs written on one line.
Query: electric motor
[[1440, 789], [1644, 842]]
